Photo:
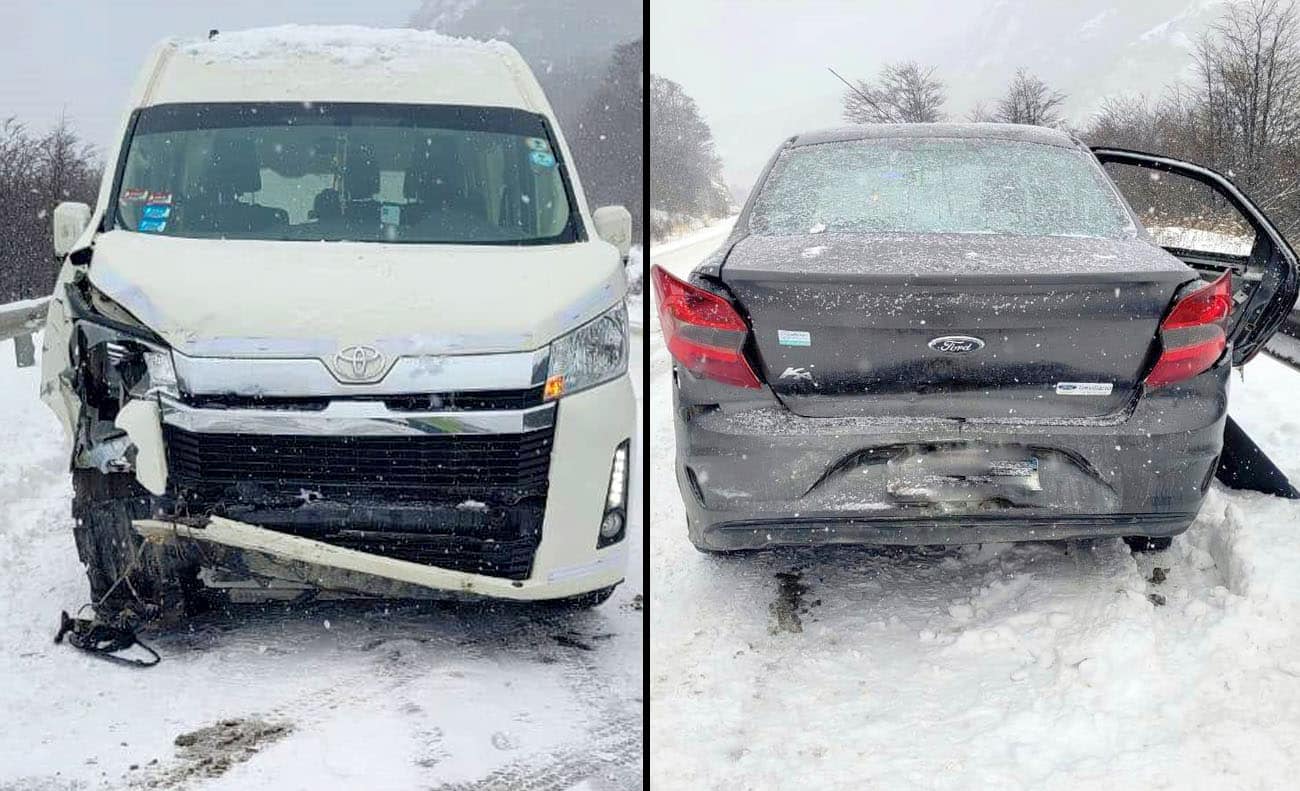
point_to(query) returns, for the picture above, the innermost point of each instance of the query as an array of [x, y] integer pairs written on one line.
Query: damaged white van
[[341, 323]]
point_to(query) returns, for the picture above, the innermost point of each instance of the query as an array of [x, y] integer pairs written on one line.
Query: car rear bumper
[[757, 475]]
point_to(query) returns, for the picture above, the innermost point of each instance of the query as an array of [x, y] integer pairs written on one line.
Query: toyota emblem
[[359, 363]]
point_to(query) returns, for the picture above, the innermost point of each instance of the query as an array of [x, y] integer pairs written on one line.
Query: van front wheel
[[131, 582]]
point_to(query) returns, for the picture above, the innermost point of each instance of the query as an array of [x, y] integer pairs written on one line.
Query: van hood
[[252, 298]]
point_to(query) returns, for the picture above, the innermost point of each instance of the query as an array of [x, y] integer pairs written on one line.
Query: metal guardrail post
[[25, 351], [18, 320]]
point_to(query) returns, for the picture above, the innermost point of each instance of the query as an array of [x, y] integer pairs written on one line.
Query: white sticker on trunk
[[793, 338], [1084, 388]]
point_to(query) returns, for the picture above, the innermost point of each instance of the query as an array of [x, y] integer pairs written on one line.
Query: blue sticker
[[157, 211], [152, 225], [543, 159]]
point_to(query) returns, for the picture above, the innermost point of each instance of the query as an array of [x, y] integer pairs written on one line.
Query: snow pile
[[1033, 666], [349, 45]]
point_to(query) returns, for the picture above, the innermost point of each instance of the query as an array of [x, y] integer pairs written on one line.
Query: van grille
[[502, 467], [478, 499]]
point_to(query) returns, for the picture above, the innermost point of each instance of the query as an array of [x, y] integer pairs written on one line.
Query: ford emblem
[[956, 344]]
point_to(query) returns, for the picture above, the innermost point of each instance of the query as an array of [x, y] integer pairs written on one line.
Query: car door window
[[1183, 214]]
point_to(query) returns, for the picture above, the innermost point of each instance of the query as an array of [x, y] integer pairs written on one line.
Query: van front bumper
[[282, 543]]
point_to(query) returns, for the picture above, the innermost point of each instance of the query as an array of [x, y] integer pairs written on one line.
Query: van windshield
[[346, 171]]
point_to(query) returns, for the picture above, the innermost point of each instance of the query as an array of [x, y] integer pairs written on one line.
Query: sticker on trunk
[[1084, 388], [793, 338]]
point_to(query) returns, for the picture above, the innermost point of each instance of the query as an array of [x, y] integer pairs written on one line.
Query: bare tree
[[1028, 100], [1241, 115], [36, 172], [1248, 65], [981, 113], [686, 173], [904, 93]]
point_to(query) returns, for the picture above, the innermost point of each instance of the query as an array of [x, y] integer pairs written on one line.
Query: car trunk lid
[[964, 326]]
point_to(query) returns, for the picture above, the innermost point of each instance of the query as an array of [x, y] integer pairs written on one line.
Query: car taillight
[[702, 331], [1194, 333]]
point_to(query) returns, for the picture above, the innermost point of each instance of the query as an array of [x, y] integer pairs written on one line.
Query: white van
[[341, 323]]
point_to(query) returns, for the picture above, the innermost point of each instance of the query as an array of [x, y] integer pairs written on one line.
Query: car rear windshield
[[938, 185], [357, 172]]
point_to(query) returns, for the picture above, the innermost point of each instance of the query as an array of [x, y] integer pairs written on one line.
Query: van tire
[[154, 585], [1148, 543]]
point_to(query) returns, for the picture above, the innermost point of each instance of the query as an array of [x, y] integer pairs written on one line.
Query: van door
[[1202, 218]]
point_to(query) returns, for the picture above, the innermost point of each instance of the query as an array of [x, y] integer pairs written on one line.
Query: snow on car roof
[[341, 63], [1015, 132]]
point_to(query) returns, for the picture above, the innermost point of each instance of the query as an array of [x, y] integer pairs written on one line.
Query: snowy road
[[412, 697], [1036, 666]]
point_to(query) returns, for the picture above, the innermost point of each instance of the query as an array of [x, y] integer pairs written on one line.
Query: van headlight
[[125, 365], [592, 354]]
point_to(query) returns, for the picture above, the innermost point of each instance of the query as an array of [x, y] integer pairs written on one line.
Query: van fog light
[[613, 523]]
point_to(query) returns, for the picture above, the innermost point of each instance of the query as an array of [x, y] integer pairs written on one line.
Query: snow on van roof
[[351, 45], [1022, 133], [340, 63]]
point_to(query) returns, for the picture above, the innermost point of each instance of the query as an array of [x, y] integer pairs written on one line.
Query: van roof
[[340, 63]]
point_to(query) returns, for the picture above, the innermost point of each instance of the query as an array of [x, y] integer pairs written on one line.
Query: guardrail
[[18, 320]]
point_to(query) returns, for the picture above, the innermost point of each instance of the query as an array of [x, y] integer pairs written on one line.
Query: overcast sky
[[757, 68], [82, 56]]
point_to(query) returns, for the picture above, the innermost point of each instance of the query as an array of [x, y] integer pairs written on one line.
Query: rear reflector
[[1194, 334], [702, 331]]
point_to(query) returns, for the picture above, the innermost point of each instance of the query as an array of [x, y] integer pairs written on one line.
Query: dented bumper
[[758, 475], [288, 546]]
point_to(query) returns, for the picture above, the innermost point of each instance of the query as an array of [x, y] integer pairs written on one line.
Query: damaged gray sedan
[[943, 334]]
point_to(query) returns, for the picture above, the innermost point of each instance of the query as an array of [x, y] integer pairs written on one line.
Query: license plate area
[[974, 475]]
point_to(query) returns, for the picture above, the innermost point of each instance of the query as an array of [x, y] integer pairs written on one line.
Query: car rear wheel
[[131, 582], [1148, 543]]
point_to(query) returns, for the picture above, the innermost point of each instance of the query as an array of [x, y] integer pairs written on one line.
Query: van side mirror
[[70, 219], [614, 225]]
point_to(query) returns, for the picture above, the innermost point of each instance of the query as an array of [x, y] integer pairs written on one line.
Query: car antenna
[[852, 87], [213, 33]]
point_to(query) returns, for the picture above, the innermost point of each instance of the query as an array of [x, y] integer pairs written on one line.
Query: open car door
[[1202, 218]]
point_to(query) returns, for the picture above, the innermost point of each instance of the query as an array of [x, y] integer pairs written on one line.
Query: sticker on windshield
[[542, 159], [390, 214], [160, 197], [152, 225], [537, 144], [157, 211], [134, 195], [794, 338], [1084, 388]]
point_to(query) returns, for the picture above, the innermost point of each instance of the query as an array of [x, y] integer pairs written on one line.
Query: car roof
[[977, 131], [306, 63]]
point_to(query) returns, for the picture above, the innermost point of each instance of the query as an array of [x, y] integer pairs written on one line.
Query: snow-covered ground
[[373, 697], [1036, 666]]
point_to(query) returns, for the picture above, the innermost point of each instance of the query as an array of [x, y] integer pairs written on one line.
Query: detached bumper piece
[[471, 503]]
